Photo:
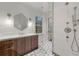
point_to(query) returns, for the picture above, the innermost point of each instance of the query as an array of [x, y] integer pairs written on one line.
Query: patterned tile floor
[[44, 48]]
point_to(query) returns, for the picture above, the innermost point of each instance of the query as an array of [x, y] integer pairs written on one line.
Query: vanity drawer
[[6, 44], [8, 48], [8, 52]]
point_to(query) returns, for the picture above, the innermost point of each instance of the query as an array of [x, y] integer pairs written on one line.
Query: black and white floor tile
[[44, 48]]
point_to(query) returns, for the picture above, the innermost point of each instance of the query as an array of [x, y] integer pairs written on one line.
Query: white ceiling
[[37, 5], [40, 6]]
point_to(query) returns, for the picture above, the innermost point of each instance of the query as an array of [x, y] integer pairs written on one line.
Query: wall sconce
[[9, 15], [8, 21], [30, 22]]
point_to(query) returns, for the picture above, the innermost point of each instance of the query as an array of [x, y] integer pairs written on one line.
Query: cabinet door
[[34, 42], [20, 46], [27, 44]]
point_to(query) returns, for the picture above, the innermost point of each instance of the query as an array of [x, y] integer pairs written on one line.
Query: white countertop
[[10, 36]]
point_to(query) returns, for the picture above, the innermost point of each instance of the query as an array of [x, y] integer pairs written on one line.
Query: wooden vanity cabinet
[[18, 46]]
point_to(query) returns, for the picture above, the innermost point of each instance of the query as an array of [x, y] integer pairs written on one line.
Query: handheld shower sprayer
[[74, 42]]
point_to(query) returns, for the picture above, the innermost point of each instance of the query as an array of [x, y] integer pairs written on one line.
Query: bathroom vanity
[[18, 45]]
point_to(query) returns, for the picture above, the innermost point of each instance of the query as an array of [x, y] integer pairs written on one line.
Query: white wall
[[62, 46], [15, 8]]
